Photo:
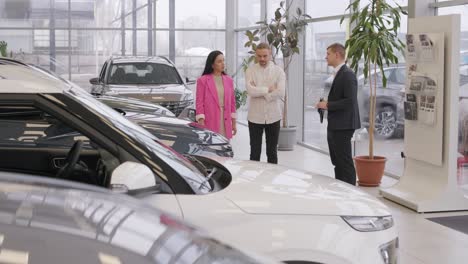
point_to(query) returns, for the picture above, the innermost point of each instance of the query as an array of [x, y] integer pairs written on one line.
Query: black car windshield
[[143, 73], [186, 169]]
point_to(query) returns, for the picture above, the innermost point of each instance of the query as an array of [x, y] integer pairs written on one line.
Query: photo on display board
[[430, 86], [427, 48], [422, 103], [410, 47], [411, 107], [430, 101], [416, 85], [425, 40], [411, 97]]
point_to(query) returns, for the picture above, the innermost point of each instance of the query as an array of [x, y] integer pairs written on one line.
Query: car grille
[[176, 107]]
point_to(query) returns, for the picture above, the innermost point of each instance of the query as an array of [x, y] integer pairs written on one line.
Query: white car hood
[[262, 188]]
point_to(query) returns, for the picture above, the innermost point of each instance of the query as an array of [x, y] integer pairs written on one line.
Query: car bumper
[[309, 238]]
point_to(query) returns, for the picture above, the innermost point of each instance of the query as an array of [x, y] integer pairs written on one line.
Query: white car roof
[[22, 79]]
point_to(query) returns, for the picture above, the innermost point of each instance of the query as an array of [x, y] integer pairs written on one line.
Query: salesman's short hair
[[337, 47]]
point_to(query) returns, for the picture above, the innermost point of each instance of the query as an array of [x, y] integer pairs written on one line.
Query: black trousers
[[339, 145], [256, 135]]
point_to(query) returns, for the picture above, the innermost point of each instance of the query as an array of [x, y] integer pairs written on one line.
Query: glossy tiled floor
[[421, 241]]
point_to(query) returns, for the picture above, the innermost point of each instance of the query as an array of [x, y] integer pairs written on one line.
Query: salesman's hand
[[322, 105]]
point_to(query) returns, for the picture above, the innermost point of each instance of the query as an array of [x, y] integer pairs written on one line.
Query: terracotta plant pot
[[369, 171]]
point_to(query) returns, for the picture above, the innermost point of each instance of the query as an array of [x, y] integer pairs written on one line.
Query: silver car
[[153, 79], [46, 221]]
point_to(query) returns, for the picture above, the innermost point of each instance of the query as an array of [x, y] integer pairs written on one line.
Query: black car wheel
[[385, 123]]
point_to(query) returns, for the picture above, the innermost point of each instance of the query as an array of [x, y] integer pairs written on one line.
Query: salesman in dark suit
[[343, 114]]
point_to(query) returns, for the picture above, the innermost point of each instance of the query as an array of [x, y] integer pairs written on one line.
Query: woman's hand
[[234, 127], [201, 121]]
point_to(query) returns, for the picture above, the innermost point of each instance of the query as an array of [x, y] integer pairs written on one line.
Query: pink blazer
[[207, 103]]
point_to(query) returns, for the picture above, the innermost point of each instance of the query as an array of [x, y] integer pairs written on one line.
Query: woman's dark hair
[[210, 61]]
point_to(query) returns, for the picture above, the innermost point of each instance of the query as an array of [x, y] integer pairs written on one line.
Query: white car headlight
[[369, 223]]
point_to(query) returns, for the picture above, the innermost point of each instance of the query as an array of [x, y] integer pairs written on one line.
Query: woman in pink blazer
[[215, 98]]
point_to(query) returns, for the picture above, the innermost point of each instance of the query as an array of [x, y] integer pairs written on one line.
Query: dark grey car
[[184, 136], [153, 79], [45, 221]]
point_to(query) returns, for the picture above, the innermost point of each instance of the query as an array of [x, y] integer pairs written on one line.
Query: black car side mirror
[[94, 81], [189, 81]]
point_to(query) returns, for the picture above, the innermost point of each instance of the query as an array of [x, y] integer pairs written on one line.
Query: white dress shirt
[[265, 107], [337, 68]]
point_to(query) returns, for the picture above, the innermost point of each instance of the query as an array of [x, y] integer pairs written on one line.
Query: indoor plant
[[374, 42], [282, 34], [3, 48]]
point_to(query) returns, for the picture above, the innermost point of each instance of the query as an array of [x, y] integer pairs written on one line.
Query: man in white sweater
[[265, 83]]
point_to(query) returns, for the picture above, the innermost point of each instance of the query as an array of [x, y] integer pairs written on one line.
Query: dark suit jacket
[[343, 108]]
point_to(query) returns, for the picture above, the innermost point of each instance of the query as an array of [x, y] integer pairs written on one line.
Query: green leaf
[[278, 15], [270, 38], [298, 11], [249, 34]]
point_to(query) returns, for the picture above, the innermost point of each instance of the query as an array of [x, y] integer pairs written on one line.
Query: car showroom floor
[[421, 240]]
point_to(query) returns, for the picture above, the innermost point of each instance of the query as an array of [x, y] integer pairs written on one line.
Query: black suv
[[153, 79]]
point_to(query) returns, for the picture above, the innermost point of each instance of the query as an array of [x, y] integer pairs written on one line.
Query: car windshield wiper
[[208, 177]]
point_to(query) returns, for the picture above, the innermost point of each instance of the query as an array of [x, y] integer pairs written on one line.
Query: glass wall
[[317, 76], [75, 37], [318, 79], [249, 12]]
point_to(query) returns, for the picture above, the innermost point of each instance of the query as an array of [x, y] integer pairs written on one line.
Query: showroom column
[[150, 27], [134, 26], [171, 30], [122, 27], [52, 36], [295, 85], [231, 40], [419, 8]]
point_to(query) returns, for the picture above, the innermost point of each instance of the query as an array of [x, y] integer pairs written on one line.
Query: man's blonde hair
[[340, 49], [263, 45]]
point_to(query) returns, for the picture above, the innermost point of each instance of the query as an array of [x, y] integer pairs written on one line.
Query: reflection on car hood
[[59, 225], [132, 104], [167, 92], [262, 188], [170, 128]]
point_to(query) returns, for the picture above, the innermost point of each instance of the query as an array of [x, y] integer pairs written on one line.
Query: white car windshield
[[184, 167], [143, 73]]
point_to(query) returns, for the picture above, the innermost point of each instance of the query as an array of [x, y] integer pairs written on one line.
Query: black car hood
[[168, 129]]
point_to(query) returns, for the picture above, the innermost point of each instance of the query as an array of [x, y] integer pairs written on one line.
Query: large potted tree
[[373, 42], [282, 34]]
